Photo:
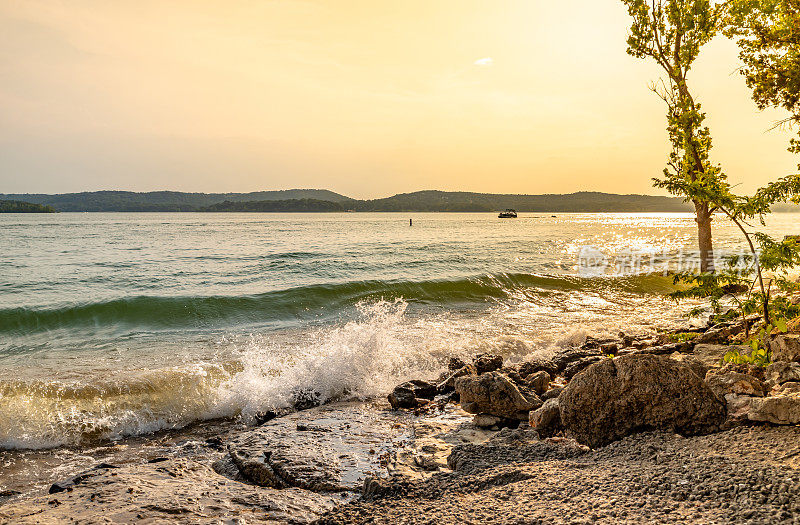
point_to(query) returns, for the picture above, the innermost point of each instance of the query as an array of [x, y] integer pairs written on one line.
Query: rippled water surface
[[117, 324]]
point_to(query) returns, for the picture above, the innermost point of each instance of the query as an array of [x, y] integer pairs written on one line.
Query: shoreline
[[359, 462]]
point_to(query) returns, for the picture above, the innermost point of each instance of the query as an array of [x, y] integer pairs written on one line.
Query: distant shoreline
[[314, 200]]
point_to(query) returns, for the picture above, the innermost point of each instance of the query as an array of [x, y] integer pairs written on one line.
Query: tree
[[766, 255], [672, 32], [768, 35]]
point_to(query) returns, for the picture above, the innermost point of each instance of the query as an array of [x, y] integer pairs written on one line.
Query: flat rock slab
[[327, 449], [173, 491]]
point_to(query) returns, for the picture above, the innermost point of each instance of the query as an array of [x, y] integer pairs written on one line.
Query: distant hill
[[573, 202], [324, 200], [23, 207], [290, 205], [162, 200]]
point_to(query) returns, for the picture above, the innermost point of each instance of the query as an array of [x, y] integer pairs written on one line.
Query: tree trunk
[[703, 218]]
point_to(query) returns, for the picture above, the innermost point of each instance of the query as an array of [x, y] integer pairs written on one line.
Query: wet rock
[[303, 399], [487, 363], [448, 385], [581, 364], [493, 393], [609, 348], [455, 363], [375, 488], [726, 381], [340, 446], [513, 375], [781, 372], [785, 347], [553, 393], [782, 409], [617, 397], [405, 395], [538, 382], [546, 420], [69, 483], [565, 357], [537, 363]]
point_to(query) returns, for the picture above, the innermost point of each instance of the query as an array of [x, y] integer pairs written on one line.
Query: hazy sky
[[368, 98]]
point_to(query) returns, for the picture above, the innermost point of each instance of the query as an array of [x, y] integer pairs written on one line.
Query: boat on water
[[508, 214]]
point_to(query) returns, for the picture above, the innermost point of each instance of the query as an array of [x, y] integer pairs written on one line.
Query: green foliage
[[768, 35], [760, 354], [24, 207], [683, 337], [758, 357]]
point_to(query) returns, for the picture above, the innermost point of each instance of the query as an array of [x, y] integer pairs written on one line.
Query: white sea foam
[[357, 359]]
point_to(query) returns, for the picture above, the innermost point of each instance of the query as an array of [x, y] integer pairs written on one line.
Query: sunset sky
[[367, 98]]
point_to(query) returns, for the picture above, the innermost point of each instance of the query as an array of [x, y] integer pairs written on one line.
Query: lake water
[[120, 324]]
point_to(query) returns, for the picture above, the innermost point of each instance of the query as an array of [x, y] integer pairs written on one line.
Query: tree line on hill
[[328, 201], [24, 207]]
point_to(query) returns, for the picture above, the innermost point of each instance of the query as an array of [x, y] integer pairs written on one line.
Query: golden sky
[[368, 98]]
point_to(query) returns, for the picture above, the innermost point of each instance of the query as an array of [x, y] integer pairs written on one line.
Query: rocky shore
[[653, 429]]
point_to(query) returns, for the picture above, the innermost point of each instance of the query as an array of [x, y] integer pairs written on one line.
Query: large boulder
[[782, 409], [724, 381], [495, 394], [617, 397], [785, 347]]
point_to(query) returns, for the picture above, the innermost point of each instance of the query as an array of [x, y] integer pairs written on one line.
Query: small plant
[[758, 357], [760, 354], [682, 337]]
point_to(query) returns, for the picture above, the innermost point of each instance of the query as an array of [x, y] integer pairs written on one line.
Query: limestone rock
[[573, 368], [617, 397], [711, 354], [553, 393], [785, 347], [338, 447], [405, 394], [486, 420], [726, 381], [781, 372], [697, 366], [493, 393], [782, 409], [449, 383], [487, 363], [538, 382], [537, 363], [546, 420]]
